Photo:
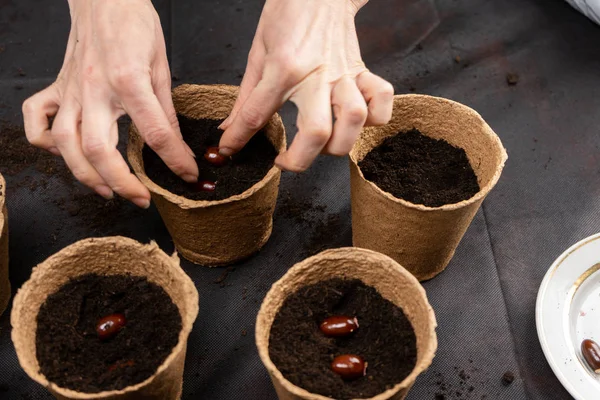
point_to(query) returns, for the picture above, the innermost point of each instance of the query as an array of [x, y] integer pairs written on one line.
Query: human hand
[[115, 64], [307, 51]]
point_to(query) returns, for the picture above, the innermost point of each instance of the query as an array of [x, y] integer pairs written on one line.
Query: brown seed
[[591, 353], [339, 325], [212, 156], [107, 327], [205, 186], [349, 366]]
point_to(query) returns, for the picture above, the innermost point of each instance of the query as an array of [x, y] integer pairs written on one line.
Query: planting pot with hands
[[307, 51], [115, 64]]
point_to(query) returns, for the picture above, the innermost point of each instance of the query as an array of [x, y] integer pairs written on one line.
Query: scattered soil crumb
[[221, 279], [512, 78], [508, 378]]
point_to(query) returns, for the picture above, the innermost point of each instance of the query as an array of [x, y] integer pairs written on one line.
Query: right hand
[[115, 64]]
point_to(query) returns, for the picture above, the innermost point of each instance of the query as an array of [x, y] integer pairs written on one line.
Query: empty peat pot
[[376, 270], [4, 282], [106, 257], [422, 239], [219, 232]]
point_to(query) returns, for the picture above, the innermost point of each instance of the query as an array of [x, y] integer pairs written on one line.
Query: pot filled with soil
[[106, 318], [228, 215], [417, 182], [347, 323], [4, 282]]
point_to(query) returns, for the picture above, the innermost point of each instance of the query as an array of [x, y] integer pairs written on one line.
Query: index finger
[[99, 131], [147, 114]]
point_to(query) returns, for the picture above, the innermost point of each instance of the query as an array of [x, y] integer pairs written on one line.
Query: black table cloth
[[546, 200]]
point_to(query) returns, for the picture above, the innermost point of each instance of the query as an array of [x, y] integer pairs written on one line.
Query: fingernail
[[226, 152], [224, 124], [54, 151], [141, 202], [105, 192], [189, 178]]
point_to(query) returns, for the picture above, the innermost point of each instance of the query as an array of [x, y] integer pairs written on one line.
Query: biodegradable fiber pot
[[4, 282], [243, 222], [107, 256], [422, 239], [393, 282]]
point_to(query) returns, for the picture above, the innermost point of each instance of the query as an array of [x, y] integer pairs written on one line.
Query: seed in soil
[[110, 325], [349, 366], [245, 168], [69, 351], [304, 355], [339, 325], [213, 156], [205, 186], [591, 353]]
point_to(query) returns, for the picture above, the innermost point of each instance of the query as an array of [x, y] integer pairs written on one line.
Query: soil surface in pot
[[243, 171], [420, 169], [385, 339], [72, 355]]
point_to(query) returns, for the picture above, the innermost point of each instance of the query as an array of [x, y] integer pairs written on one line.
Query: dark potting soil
[[420, 169], [245, 169], [69, 350], [385, 339], [97, 215]]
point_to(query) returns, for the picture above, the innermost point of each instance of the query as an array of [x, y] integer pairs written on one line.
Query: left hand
[[306, 51]]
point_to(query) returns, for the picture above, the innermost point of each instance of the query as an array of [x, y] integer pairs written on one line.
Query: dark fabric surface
[[546, 200]]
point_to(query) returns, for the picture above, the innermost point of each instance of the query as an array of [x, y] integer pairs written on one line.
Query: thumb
[[252, 76]]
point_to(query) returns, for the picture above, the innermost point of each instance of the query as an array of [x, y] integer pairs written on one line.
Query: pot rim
[[183, 202], [305, 266], [483, 191], [39, 272]]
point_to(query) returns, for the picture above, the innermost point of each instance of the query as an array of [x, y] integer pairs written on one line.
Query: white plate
[[567, 312]]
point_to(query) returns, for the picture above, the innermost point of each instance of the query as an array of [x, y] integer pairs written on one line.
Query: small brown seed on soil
[[339, 325], [349, 366], [107, 327], [591, 353], [213, 156]]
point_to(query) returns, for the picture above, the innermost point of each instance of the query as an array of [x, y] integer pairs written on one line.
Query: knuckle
[[386, 90], [356, 114], [29, 106], [156, 139], [319, 134], [291, 68], [124, 78], [93, 148], [252, 117]]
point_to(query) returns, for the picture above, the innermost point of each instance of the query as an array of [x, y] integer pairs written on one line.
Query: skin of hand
[[115, 64], [307, 51]]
